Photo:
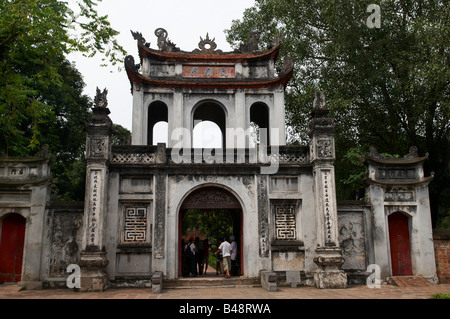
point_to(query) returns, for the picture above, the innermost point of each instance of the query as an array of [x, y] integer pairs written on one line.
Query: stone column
[[240, 123], [139, 123], [278, 117], [328, 254], [93, 256], [177, 125]]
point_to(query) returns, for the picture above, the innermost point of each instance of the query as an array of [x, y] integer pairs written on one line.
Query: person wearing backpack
[[191, 260]]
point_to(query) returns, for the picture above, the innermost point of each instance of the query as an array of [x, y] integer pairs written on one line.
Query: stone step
[[208, 282], [409, 281]]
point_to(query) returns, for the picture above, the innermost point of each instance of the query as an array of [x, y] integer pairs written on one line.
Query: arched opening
[[210, 213], [259, 124], [399, 241], [157, 116], [11, 247], [206, 112]]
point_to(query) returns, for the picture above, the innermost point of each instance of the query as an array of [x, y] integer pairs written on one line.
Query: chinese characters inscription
[[202, 71]]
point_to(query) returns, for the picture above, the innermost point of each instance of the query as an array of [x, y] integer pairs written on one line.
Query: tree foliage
[[41, 93], [216, 223], [386, 87], [35, 38]]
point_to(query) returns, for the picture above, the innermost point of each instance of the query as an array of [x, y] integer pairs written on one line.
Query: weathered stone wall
[[354, 236], [62, 241], [442, 251]]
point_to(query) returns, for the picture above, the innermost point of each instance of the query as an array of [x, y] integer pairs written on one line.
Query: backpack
[[189, 252]]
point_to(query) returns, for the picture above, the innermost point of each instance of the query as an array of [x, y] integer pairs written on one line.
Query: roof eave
[[136, 77]]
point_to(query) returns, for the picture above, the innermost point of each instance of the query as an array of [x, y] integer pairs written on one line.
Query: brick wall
[[441, 239]]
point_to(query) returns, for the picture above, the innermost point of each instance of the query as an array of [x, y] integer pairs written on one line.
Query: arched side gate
[[11, 247], [400, 244]]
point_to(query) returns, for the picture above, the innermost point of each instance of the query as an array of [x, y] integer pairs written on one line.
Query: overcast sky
[[184, 20]]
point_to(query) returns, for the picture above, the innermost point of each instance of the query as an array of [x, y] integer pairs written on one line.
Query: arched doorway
[[157, 114], [209, 199], [11, 247], [259, 123], [210, 111], [400, 248]]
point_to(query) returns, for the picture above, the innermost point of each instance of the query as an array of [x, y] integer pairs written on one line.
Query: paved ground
[[241, 302], [10, 291]]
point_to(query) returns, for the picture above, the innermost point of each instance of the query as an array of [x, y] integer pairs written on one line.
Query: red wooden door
[[11, 248], [399, 244]]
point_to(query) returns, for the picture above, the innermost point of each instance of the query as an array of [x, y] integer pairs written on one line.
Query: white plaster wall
[[422, 233], [112, 226], [137, 130], [308, 220], [380, 234], [34, 234]]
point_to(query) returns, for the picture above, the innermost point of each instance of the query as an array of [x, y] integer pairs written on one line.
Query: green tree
[[64, 131], [216, 223], [120, 135], [35, 37], [386, 87], [41, 99]]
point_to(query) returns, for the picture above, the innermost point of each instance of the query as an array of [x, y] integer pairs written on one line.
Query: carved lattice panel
[[135, 225], [211, 198], [285, 222]]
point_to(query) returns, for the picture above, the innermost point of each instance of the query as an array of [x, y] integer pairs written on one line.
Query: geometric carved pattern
[[288, 158], [135, 225], [285, 222], [211, 198], [289, 155], [133, 158]]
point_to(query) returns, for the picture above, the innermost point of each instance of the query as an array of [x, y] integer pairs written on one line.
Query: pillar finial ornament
[[319, 100]]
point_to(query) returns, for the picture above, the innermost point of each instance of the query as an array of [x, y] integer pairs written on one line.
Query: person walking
[[234, 267], [219, 258], [225, 248], [205, 255], [192, 263], [199, 255], [184, 259]]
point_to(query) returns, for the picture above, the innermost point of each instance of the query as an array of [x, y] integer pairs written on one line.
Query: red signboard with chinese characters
[[213, 72]]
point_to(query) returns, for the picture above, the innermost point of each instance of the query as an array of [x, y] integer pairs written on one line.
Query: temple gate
[[289, 225]]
